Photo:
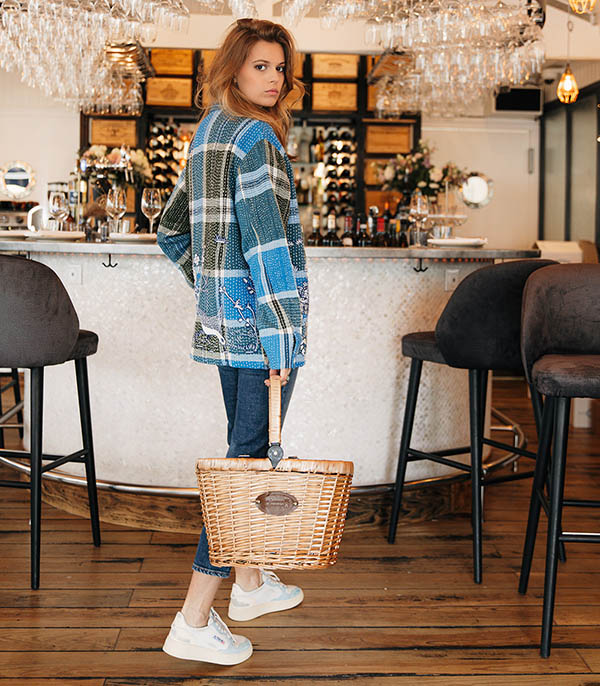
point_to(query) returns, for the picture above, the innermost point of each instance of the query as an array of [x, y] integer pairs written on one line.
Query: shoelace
[[220, 625], [272, 575]]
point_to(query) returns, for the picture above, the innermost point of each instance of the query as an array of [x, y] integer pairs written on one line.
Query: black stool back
[[39, 323], [480, 326], [40, 328], [560, 343]]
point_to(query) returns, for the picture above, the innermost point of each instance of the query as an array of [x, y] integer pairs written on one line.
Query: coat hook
[[110, 262], [420, 267]]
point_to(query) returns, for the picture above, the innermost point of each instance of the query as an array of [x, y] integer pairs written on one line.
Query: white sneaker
[[271, 596], [211, 643]]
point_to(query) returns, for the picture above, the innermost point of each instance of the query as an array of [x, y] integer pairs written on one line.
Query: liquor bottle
[[387, 218], [362, 237], [371, 221], [380, 239], [331, 238], [348, 235], [315, 237]]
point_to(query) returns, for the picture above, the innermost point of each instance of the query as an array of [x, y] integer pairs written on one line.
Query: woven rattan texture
[[240, 534]]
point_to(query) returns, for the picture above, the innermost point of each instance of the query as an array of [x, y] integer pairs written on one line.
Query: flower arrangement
[[415, 171], [121, 165]]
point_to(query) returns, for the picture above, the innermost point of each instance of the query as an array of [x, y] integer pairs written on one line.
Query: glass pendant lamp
[[567, 90]]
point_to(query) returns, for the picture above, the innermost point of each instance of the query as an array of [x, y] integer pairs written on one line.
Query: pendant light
[[582, 6], [567, 90]]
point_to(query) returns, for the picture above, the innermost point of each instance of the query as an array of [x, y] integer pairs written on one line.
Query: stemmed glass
[[116, 205], [58, 207], [418, 212], [151, 204]]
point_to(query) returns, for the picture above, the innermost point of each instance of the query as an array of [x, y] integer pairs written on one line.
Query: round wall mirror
[[17, 179], [477, 190]]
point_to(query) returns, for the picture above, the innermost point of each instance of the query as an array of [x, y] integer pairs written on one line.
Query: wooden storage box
[[371, 174], [326, 66], [167, 92], [389, 139], [334, 96], [113, 132], [171, 61], [379, 198]]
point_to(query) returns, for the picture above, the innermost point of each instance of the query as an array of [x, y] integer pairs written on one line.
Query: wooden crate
[[113, 132], [168, 92], [326, 66], [371, 98], [390, 139], [370, 173], [207, 59], [299, 65], [334, 96], [171, 61], [379, 198], [293, 96], [130, 195]]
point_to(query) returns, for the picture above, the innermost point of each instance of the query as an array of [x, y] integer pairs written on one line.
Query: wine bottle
[[331, 238], [315, 237], [348, 236], [380, 240]]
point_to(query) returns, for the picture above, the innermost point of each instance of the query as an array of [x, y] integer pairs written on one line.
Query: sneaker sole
[[188, 651], [245, 614]]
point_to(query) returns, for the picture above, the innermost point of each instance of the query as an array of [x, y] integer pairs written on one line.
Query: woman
[[232, 227]]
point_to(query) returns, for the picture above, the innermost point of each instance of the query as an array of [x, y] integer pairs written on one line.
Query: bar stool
[[478, 330], [561, 356], [40, 328], [15, 409]]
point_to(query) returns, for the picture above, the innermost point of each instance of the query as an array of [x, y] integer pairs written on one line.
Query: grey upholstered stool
[[561, 356], [478, 330], [40, 328], [13, 384]]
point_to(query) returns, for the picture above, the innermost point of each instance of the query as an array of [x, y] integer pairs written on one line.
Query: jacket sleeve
[[174, 233], [262, 205]]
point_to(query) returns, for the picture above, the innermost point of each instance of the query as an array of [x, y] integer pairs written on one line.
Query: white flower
[[422, 184], [436, 174], [434, 185], [389, 173], [417, 156]]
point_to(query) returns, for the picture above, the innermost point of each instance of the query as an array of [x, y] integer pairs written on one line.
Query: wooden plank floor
[[403, 614]]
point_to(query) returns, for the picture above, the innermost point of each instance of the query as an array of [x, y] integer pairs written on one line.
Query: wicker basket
[[290, 515]]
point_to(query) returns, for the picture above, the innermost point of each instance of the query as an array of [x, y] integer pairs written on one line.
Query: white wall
[[498, 147], [37, 130]]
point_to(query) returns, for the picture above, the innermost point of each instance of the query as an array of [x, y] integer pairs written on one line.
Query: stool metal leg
[[561, 433], [475, 391], [535, 503], [17, 392], [85, 416], [37, 404], [407, 427], [1, 426]]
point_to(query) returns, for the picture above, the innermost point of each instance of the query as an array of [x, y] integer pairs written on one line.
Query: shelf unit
[[398, 136]]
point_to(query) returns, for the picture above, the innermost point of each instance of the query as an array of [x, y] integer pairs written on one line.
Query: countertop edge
[[483, 253]]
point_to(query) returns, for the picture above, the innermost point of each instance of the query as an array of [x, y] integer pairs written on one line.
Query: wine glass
[[151, 204], [418, 211], [58, 207], [116, 205]]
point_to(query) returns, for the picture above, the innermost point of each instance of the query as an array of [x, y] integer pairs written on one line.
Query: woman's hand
[[283, 373]]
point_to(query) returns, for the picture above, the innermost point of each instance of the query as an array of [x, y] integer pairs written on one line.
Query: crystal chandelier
[[457, 52], [60, 46]]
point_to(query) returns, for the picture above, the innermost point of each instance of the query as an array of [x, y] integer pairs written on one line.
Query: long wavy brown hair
[[219, 83]]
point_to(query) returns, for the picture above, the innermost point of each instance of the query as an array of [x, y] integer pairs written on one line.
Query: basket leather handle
[[275, 410]]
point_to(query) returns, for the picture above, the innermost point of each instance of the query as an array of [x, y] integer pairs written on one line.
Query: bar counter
[[155, 411]]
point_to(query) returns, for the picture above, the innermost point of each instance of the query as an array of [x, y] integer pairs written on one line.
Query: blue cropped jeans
[[247, 405]]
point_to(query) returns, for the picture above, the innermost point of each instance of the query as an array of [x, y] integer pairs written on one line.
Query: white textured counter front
[[155, 411]]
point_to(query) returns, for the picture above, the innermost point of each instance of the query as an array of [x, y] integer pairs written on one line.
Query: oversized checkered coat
[[233, 229]]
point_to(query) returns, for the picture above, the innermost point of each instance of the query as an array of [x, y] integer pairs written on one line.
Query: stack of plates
[[8, 235], [132, 237], [456, 242], [55, 235]]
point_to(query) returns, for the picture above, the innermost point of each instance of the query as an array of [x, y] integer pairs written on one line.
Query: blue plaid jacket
[[232, 227]]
